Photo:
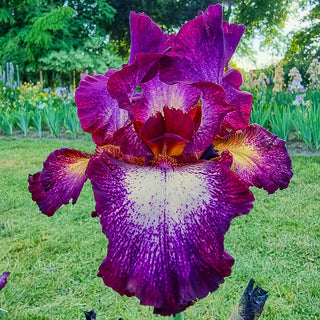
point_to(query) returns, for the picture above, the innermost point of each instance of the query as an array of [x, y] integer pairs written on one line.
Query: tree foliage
[[305, 44], [259, 16], [33, 32], [59, 36], [44, 28]]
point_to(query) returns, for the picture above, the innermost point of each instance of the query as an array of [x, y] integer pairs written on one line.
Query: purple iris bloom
[[3, 279], [163, 203]]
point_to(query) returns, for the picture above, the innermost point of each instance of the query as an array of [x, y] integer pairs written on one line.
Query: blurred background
[[47, 46], [54, 41]]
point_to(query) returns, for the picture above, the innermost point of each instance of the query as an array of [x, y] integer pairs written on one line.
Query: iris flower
[[3, 279], [174, 161]]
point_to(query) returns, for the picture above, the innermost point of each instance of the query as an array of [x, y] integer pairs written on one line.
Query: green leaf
[[43, 29], [6, 16]]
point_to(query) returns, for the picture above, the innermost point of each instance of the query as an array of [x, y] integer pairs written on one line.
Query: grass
[[54, 261]]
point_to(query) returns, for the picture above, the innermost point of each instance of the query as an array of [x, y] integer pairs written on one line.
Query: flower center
[[168, 133]]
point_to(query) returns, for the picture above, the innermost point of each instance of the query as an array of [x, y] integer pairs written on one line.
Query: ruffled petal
[[205, 62], [212, 44], [259, 158], [232, 35], [166, 228], [61, 179], [99, 114], [3, 279], [146, 36], [130, 143], [156, 95], [123, 84], [239, 118], [214, 110]]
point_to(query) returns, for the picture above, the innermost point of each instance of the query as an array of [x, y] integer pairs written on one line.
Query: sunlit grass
[[54, 261]]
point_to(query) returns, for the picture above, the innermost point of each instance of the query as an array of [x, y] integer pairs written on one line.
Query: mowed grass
[[54, 261]]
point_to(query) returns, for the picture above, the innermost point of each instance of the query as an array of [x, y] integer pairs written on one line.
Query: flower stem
[[178, 316]]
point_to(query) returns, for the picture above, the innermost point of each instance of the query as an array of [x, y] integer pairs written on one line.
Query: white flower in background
[[296, 87], [253, 81], [308, 103], [299, 100], [278, 80], [294, 74], [314, 72], [262, 81]]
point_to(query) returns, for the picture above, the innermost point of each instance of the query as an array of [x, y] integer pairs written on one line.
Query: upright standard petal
[[214, 110], [201, 49], [205, 62], [123, 84], [3, 279], [239, 118], [98, 113], [232, 35], [211, 98], [259, 158], [146, 36], [61, 179], [156, 95], [166, 228]]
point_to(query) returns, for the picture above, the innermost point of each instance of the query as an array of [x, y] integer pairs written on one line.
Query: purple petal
[[239, 118], [130, 143], [123, 84], [61, 179], [146, 36], [99, 114], [156, 95], [259, 158], [3, 279], [166, 228], [232, 35], [214, 110], [202, 49]]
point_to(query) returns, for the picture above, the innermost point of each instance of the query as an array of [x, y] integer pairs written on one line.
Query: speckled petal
[[214, 110], [146, 36], [232, 35], [201, 49], [99, 114], [61, 179], [259, 158], [156, 95], [239, 118], [123, 84], [130, 143], [166, 228], [3, 279]]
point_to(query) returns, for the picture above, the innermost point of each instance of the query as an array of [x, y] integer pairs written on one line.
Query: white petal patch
[[166, 194]]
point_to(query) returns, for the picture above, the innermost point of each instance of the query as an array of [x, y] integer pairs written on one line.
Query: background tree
[[34, 31], [305, 43], [60, 36], [260, 17]]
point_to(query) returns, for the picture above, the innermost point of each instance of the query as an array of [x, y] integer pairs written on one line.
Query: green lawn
[[54, 261]]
